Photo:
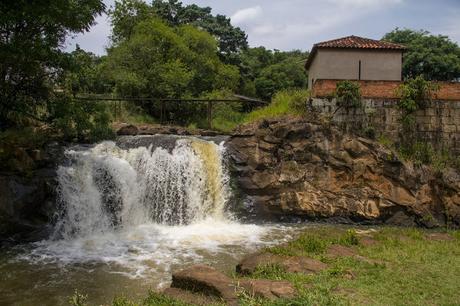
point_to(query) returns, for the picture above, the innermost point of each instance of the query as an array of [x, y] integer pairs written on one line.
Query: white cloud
[[365, 3], [248, 14]]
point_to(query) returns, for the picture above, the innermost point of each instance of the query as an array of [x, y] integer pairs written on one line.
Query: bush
[[348, 94], [285, 102], [79, 120], [415, 94]]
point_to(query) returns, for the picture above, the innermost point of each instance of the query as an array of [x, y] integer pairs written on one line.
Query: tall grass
[[285, 102]]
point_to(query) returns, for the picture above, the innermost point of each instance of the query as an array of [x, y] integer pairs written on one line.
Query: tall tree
[[163, 61], [32, 34], [435, 57], [127, 13]]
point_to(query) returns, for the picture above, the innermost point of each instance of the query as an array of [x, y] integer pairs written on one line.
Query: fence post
[[162, 107], [210, 115]]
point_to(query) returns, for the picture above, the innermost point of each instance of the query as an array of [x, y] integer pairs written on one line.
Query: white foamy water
[[145, 209], [128, 217]]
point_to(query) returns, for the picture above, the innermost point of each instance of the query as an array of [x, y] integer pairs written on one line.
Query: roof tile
[[359, 42]]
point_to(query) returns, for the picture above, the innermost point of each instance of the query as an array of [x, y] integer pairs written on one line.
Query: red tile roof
[[353, 42]]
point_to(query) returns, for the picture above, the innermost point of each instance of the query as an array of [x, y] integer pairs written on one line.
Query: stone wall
[[384, 89], [439, 123]]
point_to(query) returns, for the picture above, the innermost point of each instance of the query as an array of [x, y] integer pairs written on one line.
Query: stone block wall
[[438, 124], [384, 89]]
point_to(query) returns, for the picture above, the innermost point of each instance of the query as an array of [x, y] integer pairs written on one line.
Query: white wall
[[343, 64]]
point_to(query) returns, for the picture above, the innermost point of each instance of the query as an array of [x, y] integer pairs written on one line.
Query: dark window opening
[[359, 71]]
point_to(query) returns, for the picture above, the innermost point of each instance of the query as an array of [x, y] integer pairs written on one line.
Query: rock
[[205, 280], [350, 275], [337, 250], [311, 170], [290, 264], [439, 237], [190, 297], [128, 130], [268, 289], [367, 241]]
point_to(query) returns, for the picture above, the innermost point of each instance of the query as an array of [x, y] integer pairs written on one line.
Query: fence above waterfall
[[161, 106]]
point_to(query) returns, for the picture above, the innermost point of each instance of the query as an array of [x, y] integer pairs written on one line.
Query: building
[[355, 58]]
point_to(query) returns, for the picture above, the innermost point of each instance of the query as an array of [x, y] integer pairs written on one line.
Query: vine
[[414, 94]]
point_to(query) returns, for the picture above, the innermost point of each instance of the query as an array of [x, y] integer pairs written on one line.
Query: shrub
[[415, 94], [285, 102], [78, 119], [348, 94]]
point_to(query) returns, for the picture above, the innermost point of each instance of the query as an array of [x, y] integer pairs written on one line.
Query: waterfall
[[109, 187]]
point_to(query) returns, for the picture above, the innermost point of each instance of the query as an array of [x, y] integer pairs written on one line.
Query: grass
[[403, 268], [414, 270], [286, 102]]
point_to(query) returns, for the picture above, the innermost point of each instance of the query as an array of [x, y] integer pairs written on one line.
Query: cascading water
[[107, 187], [129, 213]]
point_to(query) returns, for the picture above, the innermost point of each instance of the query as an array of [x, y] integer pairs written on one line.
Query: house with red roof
[[355, 58]]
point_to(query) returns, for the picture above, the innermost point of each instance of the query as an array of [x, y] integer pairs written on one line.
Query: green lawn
[[402, 267]]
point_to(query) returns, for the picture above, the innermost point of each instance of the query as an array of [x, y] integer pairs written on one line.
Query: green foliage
[[415, 94], [127, 14], [264, 72], [165, 62], [78, 299], [79, 120], [285, 102], [33, 33], [226, 116], [433, 57], [87, 74], [348, 94], [350, 238]]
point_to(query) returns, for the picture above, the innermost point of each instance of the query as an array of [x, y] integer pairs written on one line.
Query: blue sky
[[298, 24]]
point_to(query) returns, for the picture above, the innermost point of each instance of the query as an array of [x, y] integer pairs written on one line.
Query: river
[[131, 212]]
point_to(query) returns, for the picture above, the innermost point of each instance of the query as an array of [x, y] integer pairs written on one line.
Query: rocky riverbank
[[292, 167]]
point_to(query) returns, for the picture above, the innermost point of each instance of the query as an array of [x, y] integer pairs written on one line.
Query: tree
[[32, 34], [265, 72], [128, 13], [164, 62], [87, 73], [433, 57]]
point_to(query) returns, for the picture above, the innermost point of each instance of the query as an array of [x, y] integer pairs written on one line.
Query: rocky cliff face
[[28, 197], [292, 167]]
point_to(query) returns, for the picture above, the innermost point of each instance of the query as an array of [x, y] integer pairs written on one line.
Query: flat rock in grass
[[268, 289], [337, 250], [190, 297], [290, 264], [367, 241], [205, 280], [439, 237]]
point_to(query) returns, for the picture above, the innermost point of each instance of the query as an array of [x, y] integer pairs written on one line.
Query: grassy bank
[[395, 266]]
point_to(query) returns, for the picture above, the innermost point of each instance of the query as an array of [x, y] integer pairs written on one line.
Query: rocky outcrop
[[295, 167], [28, 197]]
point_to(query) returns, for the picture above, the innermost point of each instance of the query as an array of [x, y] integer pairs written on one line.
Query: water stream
[[129, 214]]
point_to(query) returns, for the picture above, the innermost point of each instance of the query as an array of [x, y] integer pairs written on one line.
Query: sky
[[298, 24]]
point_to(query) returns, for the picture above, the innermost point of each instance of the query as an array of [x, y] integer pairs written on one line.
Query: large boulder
[[268, 289], [293, 167], [205, 280]]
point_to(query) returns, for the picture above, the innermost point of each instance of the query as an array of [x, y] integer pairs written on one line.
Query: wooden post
[[162, 107], [210, 115]]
